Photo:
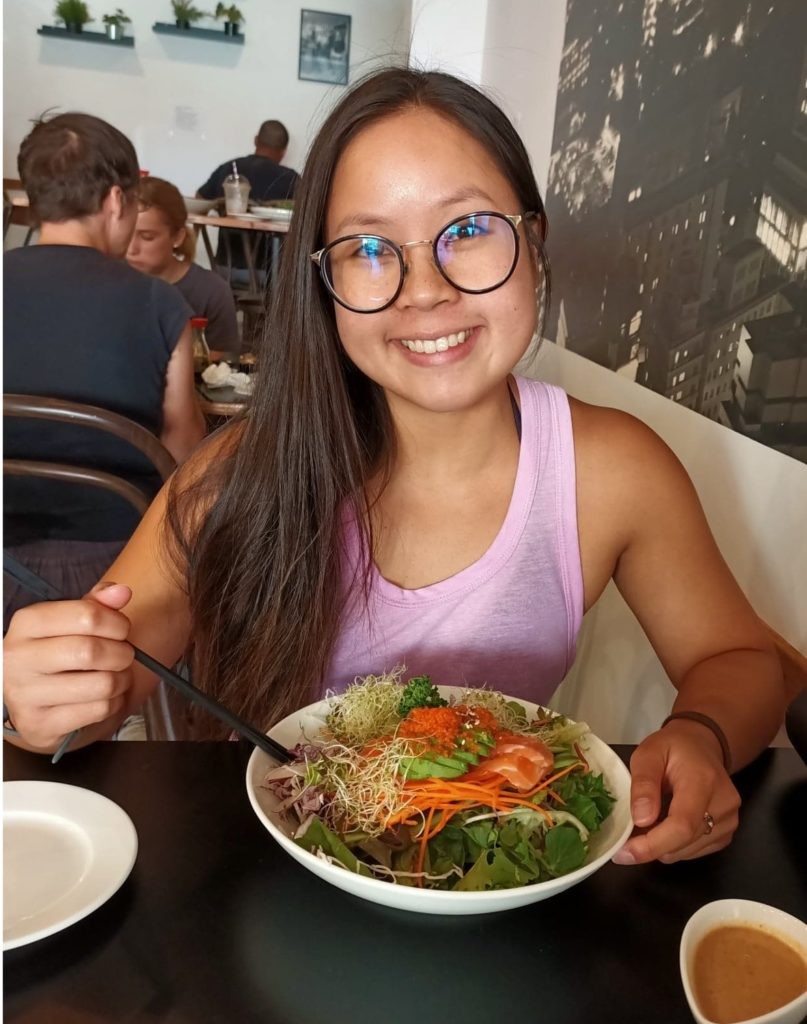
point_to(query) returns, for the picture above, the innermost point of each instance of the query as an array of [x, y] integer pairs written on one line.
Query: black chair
[[77, 413], [158, 710]]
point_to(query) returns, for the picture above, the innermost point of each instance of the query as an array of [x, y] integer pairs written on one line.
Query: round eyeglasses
[[475, 254]]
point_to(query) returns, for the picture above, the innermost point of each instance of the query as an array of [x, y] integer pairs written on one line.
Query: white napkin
[[217, 375], [221, 375]]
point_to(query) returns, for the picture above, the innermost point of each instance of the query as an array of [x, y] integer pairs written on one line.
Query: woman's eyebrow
[[365, 220]]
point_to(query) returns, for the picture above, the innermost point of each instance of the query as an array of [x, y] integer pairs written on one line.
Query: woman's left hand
[[683, 762]]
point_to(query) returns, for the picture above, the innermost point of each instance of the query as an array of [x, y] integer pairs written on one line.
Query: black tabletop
[[217, 923]]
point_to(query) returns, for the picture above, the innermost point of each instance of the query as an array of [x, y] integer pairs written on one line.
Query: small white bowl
[[199, 206], [727, 912]]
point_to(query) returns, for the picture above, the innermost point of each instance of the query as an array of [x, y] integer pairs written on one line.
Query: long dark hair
[[264, 562]]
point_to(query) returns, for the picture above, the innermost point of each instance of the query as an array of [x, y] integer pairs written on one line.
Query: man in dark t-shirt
[[267, 180], [80, 324]]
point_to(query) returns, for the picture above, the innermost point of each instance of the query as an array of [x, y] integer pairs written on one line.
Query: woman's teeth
[[437, 344]]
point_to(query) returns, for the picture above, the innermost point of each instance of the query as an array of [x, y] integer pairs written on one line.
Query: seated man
[[82, 325], [267, 180]]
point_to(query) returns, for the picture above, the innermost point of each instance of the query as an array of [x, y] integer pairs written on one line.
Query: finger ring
[[709, 822]]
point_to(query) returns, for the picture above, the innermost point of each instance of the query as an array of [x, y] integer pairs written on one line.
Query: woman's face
[[151, 249], [405, 178]]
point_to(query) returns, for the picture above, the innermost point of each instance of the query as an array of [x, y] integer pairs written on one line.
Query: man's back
[[85, 327], [267, 179]]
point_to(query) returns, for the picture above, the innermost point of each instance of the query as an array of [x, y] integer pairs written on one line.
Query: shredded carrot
[[423, 841]]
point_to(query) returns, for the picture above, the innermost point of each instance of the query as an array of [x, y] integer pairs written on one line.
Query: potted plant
[[185, 13], [74, 13], [115, 24], [232, 18]]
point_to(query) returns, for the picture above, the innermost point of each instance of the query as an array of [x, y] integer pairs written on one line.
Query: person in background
[[267, 179], [397, 496], [163, 245], [80, 324], [262, 169]]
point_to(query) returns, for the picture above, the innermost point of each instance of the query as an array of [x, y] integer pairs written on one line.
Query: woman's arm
[[183, 422], [648, 523], [67, 664]]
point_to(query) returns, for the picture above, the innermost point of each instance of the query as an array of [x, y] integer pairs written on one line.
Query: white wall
[[523, 47], [756, 502], [186, 104], [449, 35], [512, 48]]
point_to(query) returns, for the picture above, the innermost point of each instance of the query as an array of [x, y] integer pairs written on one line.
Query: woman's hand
[[67, 665], [684, 762]]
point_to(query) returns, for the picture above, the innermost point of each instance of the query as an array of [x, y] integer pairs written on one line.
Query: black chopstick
[[41, 588]]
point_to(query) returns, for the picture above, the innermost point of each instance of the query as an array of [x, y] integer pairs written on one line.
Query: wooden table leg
[[275, 239], [208, 246], [250, 259]]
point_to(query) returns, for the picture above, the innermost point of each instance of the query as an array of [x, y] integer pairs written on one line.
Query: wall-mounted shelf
[[83, 36], [210, 34]]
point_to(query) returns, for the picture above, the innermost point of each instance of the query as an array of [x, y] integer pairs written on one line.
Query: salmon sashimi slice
[[522, 760]]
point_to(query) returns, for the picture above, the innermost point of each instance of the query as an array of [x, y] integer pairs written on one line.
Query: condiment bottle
[[201, 350]]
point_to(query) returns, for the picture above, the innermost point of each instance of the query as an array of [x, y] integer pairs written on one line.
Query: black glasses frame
[[511, 219]]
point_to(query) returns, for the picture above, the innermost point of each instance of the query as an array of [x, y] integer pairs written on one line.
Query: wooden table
[[251, 230], [217, 923], [16, 199]]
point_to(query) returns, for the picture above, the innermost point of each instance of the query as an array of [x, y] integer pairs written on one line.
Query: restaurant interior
[[140, 883]]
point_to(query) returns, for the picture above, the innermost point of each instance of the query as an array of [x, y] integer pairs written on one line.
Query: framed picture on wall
[[324, 47]]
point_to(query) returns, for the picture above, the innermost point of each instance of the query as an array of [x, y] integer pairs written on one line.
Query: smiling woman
[[396, 496]]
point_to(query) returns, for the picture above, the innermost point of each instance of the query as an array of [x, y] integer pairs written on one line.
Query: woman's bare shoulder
[[612, 445], [630, 486]]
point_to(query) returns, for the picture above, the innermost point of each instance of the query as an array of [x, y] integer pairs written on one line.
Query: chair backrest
[[77, 413]]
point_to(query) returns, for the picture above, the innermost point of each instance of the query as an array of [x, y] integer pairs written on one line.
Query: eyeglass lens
[[475, 253]]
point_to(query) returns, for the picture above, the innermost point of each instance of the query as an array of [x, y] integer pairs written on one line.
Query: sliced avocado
[[449, 761], [466, 755], [429, 768]]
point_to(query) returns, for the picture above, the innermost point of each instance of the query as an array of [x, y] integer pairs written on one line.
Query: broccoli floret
[[420, 693]]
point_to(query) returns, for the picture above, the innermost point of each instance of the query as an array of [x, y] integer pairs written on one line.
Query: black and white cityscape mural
[[677, 204]]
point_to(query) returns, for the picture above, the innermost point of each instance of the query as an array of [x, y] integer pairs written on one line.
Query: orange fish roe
[[478, 718], [438, 725]]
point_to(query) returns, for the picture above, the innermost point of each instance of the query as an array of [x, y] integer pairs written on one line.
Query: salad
[[471, 795]]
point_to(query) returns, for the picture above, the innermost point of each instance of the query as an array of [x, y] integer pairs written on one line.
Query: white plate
[[603, 845], [66, 851], [278, 213]]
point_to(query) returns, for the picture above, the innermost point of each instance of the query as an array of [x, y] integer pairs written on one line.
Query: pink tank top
[[509, 621]]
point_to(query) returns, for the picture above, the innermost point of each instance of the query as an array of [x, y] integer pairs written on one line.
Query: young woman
[[163, 246], [396, 496]]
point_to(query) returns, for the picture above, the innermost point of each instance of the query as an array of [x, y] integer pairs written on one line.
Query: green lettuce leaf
[[315, 835], [563, 850]]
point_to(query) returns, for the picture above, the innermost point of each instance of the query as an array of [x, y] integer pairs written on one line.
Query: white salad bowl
[[602, 846]]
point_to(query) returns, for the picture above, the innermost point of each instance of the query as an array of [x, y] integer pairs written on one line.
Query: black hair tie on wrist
[[711, 724]]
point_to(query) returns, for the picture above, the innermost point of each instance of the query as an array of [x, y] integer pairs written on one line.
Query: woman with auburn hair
[[395, 495], [164, 246]]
